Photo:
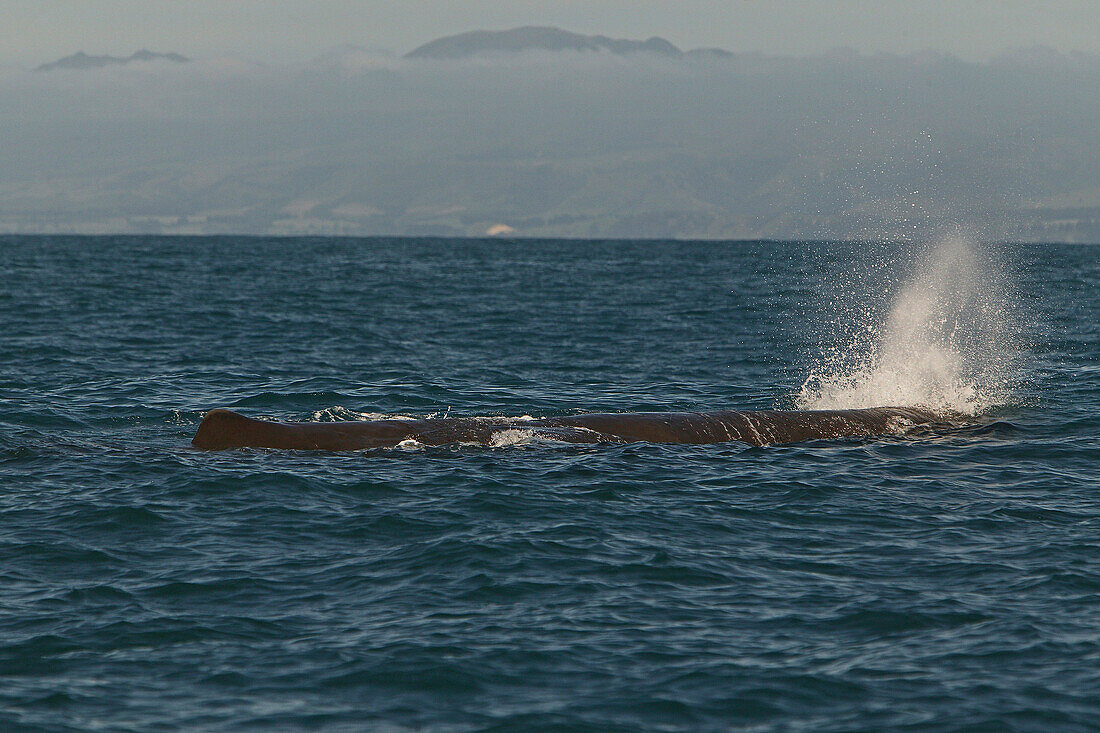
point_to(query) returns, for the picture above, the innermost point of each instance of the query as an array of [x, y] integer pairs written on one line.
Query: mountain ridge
[[82, 61], [536, 38]]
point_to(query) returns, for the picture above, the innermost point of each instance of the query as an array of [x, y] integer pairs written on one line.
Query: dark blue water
[[942, 581]]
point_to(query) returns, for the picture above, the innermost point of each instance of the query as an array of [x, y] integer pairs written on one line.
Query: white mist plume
[[949, 343]]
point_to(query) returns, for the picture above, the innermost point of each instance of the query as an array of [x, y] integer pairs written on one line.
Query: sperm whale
[[222, 429]]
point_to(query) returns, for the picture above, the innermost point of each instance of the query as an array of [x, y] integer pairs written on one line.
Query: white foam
[[339, 413], [949, 342], [513, 437]]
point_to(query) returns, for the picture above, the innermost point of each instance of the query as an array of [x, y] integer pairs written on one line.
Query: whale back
[[222, 429]]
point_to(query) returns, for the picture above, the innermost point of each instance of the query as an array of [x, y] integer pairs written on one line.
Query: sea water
[[937, 580]]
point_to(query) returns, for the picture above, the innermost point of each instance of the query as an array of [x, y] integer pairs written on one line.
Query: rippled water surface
[[936, 581]]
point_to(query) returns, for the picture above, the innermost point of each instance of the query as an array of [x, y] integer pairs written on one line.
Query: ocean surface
[[935, 580]]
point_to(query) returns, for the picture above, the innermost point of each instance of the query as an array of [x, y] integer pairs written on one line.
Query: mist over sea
[[839, 145], [941, 579]]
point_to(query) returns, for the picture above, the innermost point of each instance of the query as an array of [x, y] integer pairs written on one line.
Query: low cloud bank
[[559, 144]]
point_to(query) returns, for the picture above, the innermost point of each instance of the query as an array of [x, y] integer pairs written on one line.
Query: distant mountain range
[[81, 60], [533, 38], [471, 138]]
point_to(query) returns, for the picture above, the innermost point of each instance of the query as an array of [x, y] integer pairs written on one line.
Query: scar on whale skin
[[222, 429]]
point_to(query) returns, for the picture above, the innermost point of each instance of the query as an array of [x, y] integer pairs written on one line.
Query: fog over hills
[[558, 135], [530, 38], [81, 60]]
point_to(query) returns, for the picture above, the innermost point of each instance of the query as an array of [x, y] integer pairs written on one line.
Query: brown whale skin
[[222, 429]]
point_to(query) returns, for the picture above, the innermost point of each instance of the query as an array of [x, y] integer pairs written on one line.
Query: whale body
[[222, 429]]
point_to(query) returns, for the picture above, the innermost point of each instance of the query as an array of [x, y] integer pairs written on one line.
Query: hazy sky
[[36, 31]]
